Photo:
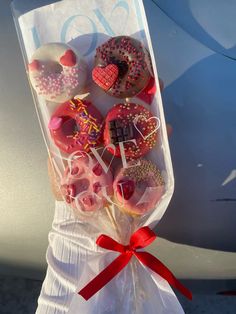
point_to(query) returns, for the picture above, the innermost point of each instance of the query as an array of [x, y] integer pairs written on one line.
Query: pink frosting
[[55, 123], [85, 184]]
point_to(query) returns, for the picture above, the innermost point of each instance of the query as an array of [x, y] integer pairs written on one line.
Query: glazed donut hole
[[69, 126], [52, 67]]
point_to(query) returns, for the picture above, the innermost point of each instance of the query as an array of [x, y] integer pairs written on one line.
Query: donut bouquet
[[105, 156], [98, 99]]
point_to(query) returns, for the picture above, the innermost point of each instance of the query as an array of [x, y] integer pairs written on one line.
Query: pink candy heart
[[55, 123]]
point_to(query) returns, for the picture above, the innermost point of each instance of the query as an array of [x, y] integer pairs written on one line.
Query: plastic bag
[[95, 86]]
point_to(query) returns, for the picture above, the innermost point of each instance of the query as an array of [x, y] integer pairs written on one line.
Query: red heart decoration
[[88, 200], [105, 77], [69, 191], [34, 65], [97, 187], [148, 93], [74, 171], [97, 169], [126, 188], [68, 59]]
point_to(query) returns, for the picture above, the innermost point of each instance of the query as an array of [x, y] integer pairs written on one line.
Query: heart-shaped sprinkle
[[34, 65], [68, 59], [55, 123], [105, 77], [148, 121], [126, 188]]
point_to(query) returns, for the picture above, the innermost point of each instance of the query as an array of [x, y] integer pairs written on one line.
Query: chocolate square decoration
[[120, 132]]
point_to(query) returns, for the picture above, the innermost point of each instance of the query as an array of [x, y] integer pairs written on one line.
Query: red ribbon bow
[[140, 239]]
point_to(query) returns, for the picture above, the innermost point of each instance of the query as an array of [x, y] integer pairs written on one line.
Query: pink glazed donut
[[138, 189], [131, 121], [76, 125], [85, 184]]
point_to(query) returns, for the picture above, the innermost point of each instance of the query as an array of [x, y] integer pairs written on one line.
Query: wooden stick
[[113, 221]]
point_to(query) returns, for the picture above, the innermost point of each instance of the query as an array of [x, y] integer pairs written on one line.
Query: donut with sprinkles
[[57, 72], [76, 125], [126, 122], [139, 187], [122, 67]]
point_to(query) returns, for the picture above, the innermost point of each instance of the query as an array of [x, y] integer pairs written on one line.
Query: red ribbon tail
[[154, 264], [105, 276]]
